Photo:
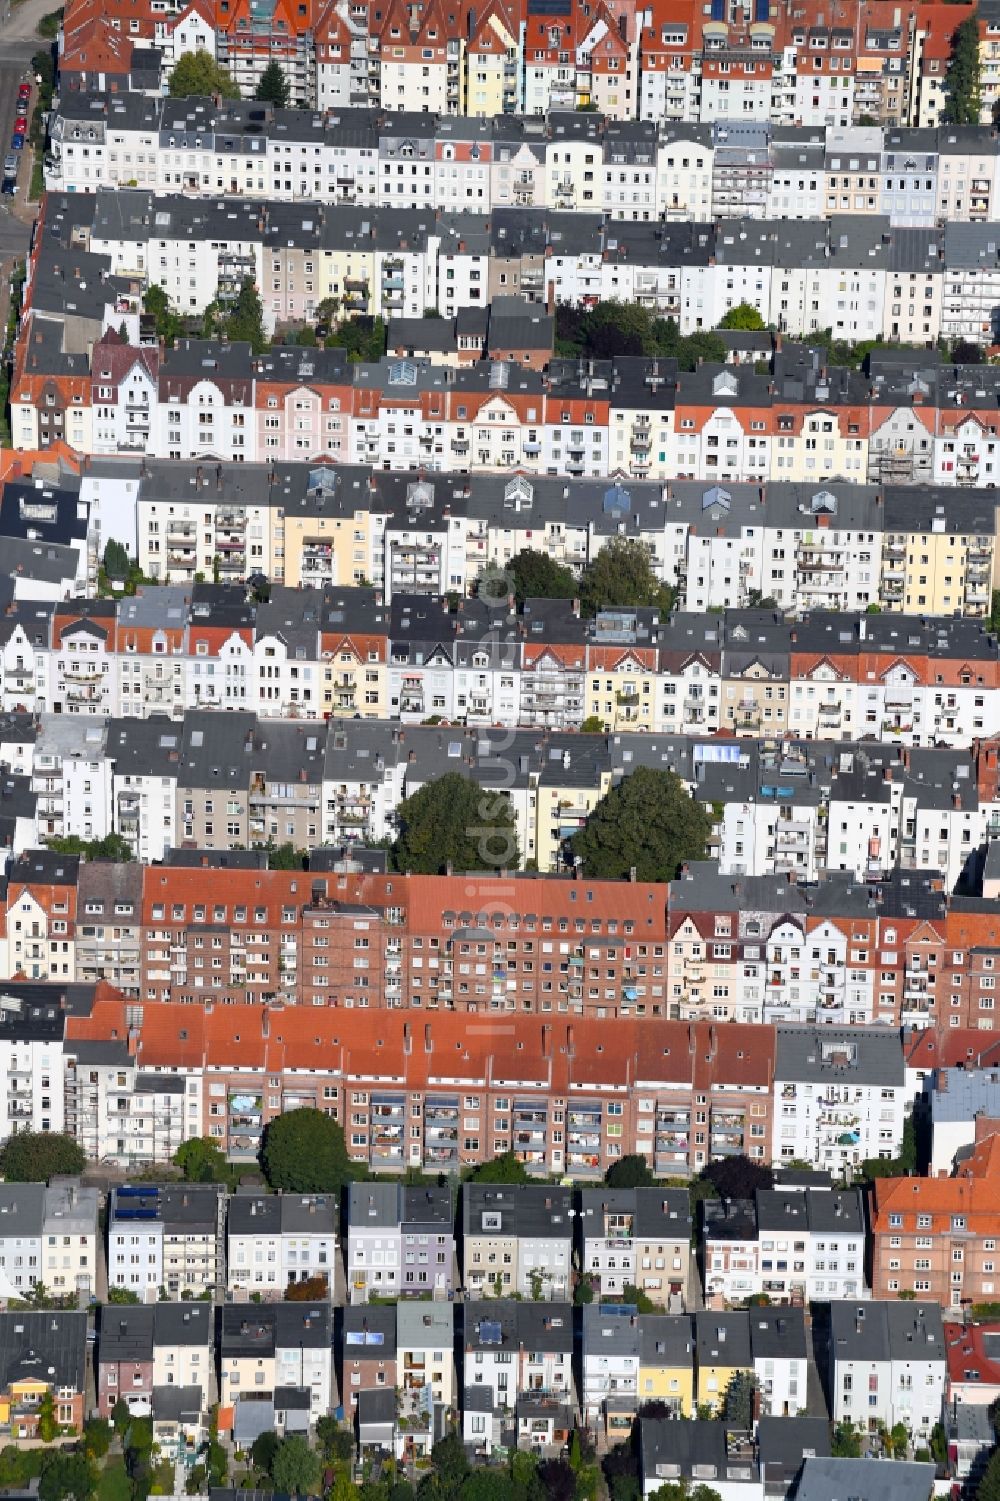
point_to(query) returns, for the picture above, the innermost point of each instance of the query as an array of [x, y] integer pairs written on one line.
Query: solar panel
[[490, 1333]]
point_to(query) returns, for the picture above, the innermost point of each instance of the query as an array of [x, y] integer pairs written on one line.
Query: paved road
[[18, 36]]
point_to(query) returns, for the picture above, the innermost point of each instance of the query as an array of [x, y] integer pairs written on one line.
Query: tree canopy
[[304, 1151], [631, 1171], [612, 329], [963, 78], [738, 1177], [363, 338], [738, 1403], [273, 87], [506, 1168], [111, 847], [66, 1476], [37, 1156], [295, 1467], [245, 322], [455, 821], [286, 857], [156, 303], [201, 1161], [743, 316], [197, 73], [532, 575], [622, 574], [648, 821]]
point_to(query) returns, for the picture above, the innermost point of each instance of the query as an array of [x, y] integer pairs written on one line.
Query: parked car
[[21, 124], [17, 142]]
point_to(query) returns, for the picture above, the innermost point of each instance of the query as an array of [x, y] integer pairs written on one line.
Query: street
[[19, 41]]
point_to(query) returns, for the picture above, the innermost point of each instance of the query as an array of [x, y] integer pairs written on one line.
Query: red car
[[21, 124], [23, 94]]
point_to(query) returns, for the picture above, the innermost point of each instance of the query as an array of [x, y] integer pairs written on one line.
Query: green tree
[[639, 1300], [48, 1427], [487, 1485], [66, 1475], [295, 1467], [963, 78], [263, 1452], [737, 1406], [156, 304], [304, 1152], [622, 575], [845, 1441], [583, 1293], [197, 73], [245, 323], [216, 1463], [738, 1177], [335, 1441], [630, 1171], [120, 1419], [111, 847], [201, 1161], [285, 857], [592, 725], [682, 1490], [455, 821], [273, 87], [530, 574], [648, 821], [362, 338], [116, 559], [744, 317], [504, 1169], [97, 1437], [899, 1440], [119, 1295], [37, 1156], [450, 1464]]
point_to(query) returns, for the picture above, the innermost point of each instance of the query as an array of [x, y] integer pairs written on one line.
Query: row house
[[49, 1237], [673, 62], [708, 1092], [936, 1236], [887, 1364], [141, 1350], [400, 1239], [274, 1241], [45, 1355], [793, 1245], [514, 1101], [856, 274], [267, 1349], [166, 1237], [875, 939], [416, 153]]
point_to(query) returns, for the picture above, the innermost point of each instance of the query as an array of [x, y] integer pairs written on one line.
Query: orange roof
[[423, 1051], [977, 1199]]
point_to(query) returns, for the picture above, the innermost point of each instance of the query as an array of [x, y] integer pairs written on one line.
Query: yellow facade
[[623, 697], [339, 545], [938, 572], [353, 686], [713, 1382], [558, 811], [344, 274], [668, 1383]]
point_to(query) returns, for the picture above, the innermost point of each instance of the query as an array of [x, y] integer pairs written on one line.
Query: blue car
[[17, 142]]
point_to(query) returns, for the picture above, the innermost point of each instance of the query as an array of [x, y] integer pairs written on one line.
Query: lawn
[[114, 1484]]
